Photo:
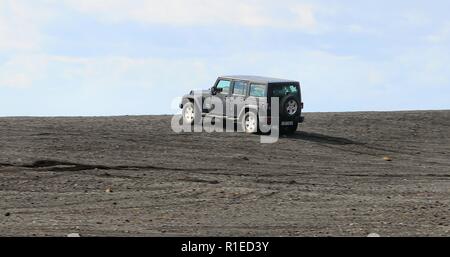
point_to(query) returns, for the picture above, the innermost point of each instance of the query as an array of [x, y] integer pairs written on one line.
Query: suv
[[246, 100]]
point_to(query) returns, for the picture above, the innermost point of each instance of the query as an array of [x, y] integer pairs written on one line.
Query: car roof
[[258, 79]]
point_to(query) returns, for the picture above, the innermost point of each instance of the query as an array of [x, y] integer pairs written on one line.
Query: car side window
[[225, 86], [239, 88], [284, 89], [257, 90]]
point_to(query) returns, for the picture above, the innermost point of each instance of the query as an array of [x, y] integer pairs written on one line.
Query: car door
[[236, 101], [219, 100]]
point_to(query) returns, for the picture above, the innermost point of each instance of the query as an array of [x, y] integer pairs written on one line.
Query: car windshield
[[284, 89], [224, 85]]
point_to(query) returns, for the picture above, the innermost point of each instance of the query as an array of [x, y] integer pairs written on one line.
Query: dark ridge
[[64, 166], [53, 165], [198, 180]]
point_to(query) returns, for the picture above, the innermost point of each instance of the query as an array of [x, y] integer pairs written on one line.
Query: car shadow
[[321, 138]]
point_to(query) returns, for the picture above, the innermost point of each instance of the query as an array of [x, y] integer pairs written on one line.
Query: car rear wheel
[[289, 130]]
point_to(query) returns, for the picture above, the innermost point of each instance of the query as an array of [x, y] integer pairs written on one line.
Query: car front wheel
[[250, 123], [188, 113]]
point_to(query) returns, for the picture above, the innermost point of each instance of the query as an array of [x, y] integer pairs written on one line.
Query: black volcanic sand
[[133, 176]]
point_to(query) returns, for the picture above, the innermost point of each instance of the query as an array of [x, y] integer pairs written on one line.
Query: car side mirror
[[215, 90]]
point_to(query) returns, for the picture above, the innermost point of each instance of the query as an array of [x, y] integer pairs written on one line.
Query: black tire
[[289, 130], [250, 122], [189, 113], [287, 104]]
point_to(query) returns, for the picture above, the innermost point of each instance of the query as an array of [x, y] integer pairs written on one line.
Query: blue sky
[[117, 57]]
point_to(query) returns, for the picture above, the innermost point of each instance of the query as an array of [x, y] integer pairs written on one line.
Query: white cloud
[[103, 73], [21, 71], [416, 18], [355, 28], [251, 13], [427, 67], [363, 30], [441, 36], [305, 16], [21, 22], [100, 74]]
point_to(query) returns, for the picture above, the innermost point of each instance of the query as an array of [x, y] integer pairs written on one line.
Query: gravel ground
[[341, 174]]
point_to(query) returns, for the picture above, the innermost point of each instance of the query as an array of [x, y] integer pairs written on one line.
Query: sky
[[137, 57]]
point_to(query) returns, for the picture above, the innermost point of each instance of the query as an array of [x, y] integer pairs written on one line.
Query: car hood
[[200, 92]]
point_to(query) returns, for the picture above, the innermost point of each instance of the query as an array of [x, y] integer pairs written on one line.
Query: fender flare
[[191, 98], [246, 109]]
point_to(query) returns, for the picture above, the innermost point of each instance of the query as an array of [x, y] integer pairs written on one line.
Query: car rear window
[[258, 90], [281, 90]]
